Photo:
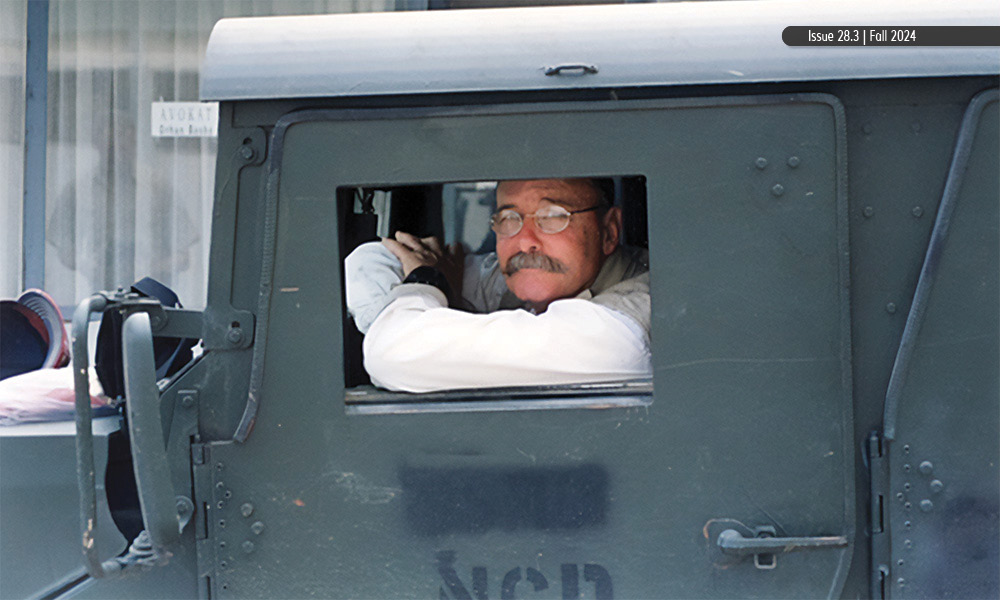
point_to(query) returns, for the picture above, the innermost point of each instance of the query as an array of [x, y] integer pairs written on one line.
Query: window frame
[[532, 397]]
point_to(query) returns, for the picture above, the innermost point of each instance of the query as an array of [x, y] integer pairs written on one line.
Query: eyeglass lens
[[508, 222]]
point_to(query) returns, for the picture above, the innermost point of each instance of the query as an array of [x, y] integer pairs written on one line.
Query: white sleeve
[[370, 272], [417, 344]]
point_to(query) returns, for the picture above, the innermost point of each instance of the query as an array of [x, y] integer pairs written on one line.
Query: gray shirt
[[622, 285]]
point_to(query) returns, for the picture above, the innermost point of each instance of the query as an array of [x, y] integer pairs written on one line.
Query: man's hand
[[416, 252]]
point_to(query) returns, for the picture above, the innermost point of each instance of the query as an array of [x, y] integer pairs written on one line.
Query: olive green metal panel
[[750, 422], [173, 581], [40, 534], [901, 136], [944, 478]]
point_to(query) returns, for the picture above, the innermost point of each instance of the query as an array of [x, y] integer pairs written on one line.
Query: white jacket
[[415, 343]]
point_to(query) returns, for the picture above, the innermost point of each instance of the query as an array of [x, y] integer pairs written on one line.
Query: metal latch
[[731, 541], [767, 545]]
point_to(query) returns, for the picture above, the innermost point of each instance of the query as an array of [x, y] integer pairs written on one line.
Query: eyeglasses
[[551, 219]]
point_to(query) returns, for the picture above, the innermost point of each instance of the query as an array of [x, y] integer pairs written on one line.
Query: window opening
[[460, 213]]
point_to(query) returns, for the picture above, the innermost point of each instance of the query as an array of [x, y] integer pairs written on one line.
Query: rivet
[[222, 522], [926, 467], [222, 544], [778, 189], [156, 322], [246, 510], [906, 467], [906, 448], [907, 524], [917, 212], [793, 161], [220, 504], [900, 562], [907, 505], [228, 494], [246, 152], [248, 546], [915, 126], [936, 486], [761, 162], [900, 496], [223, 564], [218, 466], [891, 309], [908, 544], [257, 527], [220, 485], [868, 212], [926, 505], [901, 582], [867, 128], [187, 401], [907, 486]]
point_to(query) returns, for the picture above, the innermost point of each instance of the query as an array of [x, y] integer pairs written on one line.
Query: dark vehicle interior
[[453, 212]]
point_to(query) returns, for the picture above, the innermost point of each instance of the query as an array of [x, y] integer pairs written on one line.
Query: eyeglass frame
[[523, 218]]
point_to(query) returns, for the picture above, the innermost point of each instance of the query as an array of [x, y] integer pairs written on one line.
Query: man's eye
[[553, 223]]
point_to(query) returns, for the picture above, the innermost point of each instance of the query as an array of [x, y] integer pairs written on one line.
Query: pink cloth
[[44, 395]]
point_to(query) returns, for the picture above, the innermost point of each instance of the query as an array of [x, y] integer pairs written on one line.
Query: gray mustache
[[534, 260]]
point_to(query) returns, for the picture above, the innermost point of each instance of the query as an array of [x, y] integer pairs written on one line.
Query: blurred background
[[89, 198]]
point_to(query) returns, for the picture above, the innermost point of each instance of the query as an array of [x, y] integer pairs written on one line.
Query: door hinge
[[881, 549], [201, 466]]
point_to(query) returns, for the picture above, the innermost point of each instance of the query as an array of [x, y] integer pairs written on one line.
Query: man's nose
[[528, 238]]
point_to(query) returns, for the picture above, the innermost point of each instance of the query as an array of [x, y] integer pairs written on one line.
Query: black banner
[[892, 35]]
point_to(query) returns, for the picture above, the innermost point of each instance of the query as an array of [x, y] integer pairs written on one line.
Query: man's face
[[576, 253]]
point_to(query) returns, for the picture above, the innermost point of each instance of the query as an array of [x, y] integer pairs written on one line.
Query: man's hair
[[605, 187]]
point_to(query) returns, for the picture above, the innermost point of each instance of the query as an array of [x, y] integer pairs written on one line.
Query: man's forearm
[[370, 272], [417, 344]]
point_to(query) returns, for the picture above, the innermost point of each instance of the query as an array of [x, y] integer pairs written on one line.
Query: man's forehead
[[559, 191]]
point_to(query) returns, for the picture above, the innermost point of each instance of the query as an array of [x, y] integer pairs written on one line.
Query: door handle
[[733, 543], [571, 69]]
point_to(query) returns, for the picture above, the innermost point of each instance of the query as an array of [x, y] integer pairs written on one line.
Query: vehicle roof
[[506, 49]]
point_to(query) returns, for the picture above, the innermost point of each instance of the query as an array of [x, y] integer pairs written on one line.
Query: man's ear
[[611, 230]]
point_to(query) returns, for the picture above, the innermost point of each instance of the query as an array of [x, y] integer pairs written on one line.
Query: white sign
[[185, 119]]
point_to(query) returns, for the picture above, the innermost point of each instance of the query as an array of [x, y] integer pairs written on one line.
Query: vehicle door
[[744, 437]]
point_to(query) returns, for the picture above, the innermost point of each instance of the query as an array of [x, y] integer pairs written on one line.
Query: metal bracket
[[227, 330], [163, 321], [765, 561]]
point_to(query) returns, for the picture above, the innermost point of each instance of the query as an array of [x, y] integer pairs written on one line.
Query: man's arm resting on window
[[370, 272], [417, 344]]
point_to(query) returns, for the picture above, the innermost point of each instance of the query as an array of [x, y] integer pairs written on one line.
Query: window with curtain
[[120, 203], [13, 38]]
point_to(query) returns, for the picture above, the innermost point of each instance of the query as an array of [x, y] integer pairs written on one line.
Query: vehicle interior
[[455, 212]]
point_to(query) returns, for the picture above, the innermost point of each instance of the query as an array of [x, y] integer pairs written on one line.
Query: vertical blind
[[120, 203], [13, 38]]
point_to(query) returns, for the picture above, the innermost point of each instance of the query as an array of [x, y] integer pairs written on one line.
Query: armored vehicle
[[822, 228]]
